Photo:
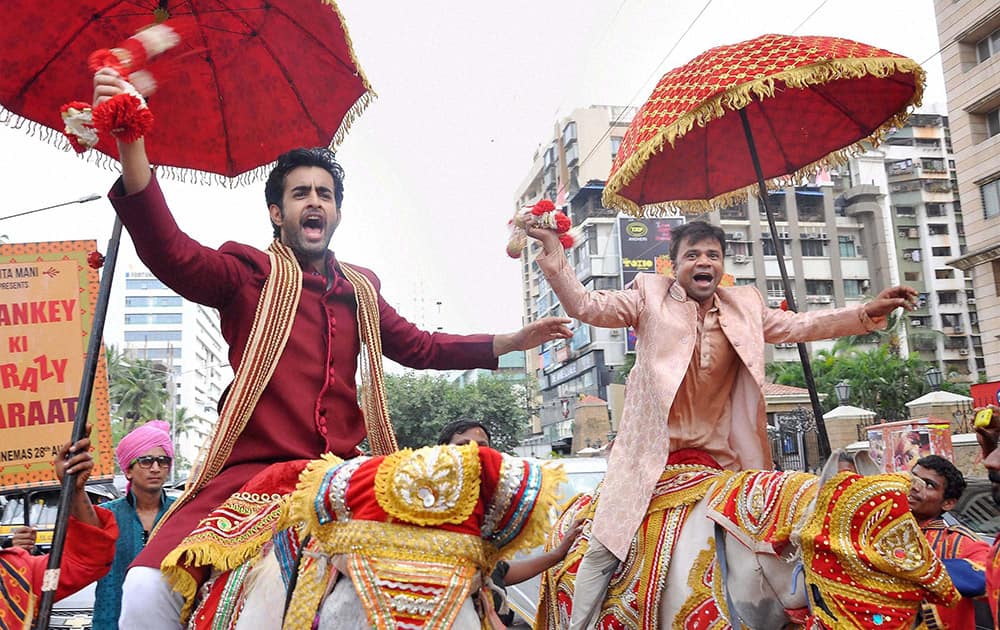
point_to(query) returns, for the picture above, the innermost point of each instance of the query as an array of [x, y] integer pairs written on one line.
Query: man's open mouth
[[312, 226], [703, 278]]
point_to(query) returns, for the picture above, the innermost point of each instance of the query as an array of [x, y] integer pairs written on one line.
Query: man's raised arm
[[135, 163]]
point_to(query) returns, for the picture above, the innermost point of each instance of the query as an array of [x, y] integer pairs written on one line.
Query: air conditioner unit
[[738, 236], [740, 259], [907, 256], [823, 299], [963, 351], [823, 236], [916, 322], [774, 301], [971, 301], [784, 345]]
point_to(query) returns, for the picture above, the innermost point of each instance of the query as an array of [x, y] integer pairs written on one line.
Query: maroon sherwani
[[310, 405]]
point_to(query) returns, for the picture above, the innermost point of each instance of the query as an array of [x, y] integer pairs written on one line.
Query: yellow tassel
[[538, 524]]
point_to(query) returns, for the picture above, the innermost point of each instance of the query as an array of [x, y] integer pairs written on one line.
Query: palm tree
[[138, 390]]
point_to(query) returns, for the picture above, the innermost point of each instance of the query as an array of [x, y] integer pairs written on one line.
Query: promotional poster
[[47, 297]]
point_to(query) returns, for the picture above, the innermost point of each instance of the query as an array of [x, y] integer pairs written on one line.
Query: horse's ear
[[832, 466], [864, 464]]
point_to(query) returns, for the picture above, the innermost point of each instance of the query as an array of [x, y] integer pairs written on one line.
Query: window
[[735, 212], [848, 249], [745, 281], [740, 248], [941, 251], [616, 143], [996, 276], [947, 297], [819, 287], [911, 276], [855, 288], [143, 283], [813, 247], [135, 336], [937, 229], [569, 133], [944, 274], [988, 46], [992, 123], [990, 192], [936, 210], [590, 233], [905, 211], [775, 288]]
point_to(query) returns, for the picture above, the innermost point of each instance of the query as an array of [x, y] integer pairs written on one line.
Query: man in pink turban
[[145, 456]]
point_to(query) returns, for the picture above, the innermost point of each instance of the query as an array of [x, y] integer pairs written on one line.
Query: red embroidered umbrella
[[249, 80], [777, 106]]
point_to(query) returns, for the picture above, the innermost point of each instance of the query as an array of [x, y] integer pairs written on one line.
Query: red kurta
[[966, 557], [310, 405], [86, 557]]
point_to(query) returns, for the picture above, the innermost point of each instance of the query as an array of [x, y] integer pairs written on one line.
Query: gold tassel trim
[[365, 99], [738, 97], [375, 408], [300, 511]]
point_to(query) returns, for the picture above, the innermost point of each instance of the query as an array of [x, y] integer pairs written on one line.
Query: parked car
[[977, 510], [582, 475], [41, 505]]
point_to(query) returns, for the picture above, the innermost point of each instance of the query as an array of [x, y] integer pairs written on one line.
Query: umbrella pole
[[51, 580], [779, 248]]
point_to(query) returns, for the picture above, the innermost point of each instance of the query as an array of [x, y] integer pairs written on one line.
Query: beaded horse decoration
[[866, 561], [417, 528]]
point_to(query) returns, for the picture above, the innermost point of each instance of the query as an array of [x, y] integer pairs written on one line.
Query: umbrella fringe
[[740, 96], [174, 173], [352, 114]]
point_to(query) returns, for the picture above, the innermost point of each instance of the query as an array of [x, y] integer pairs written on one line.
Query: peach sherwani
[[666, 325]]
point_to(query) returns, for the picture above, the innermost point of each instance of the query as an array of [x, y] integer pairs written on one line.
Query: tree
[[880, 379], [420, 405], [138, 392]]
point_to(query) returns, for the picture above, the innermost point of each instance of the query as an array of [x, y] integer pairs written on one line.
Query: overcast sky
[[467, 92]]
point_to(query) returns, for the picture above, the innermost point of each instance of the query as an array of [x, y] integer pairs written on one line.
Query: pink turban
[[150, 435]]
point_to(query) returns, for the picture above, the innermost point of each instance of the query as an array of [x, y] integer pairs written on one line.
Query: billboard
[[645, 248], [47, 298]]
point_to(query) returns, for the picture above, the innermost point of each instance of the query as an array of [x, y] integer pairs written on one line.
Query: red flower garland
[[95, 260], [124, 117], [542, 207]]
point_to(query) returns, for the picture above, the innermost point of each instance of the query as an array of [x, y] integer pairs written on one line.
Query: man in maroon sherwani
[[309, 406]]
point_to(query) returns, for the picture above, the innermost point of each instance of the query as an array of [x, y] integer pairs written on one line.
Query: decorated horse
[[761, 549], [406, 540]]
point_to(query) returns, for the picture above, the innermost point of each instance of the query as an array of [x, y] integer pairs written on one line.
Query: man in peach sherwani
[[694, 395]]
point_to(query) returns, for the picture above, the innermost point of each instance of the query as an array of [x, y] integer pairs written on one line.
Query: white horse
[[763, 550]]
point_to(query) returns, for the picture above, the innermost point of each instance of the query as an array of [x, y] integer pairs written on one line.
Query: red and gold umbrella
[[810, 101], [249, 80], [774, 108]]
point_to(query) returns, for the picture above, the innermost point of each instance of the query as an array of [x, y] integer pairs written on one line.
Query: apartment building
[[929, 231], [183, 340], [969, 38], [570, 168]]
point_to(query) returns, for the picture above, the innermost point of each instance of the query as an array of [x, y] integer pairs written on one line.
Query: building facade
[[969, 38], [183, 340], [929, 231]]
